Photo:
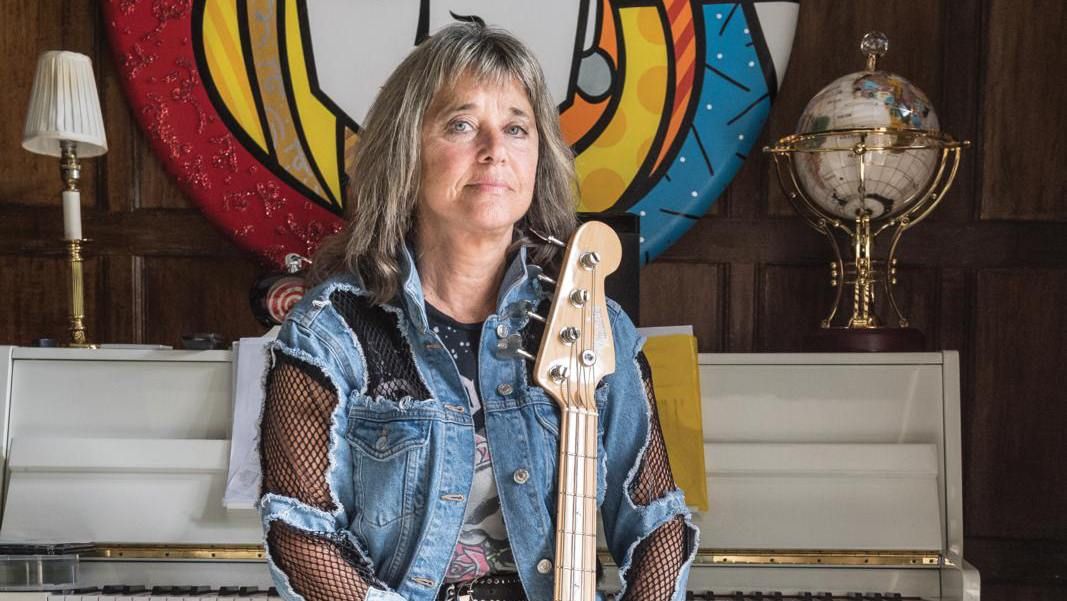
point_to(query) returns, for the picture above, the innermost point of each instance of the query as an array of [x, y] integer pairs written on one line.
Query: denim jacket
[[400, 469]]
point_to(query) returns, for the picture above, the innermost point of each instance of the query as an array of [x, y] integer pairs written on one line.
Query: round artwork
[[255, 107]]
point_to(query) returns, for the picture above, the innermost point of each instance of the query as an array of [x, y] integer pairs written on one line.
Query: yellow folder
[[676, 382]]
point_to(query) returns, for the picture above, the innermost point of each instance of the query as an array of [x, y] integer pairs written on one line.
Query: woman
[[405, 456]]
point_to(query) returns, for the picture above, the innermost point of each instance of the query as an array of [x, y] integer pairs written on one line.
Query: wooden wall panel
[[1020, 395], [188, 295], [34, 302], [1024, 156], [682, 294], [793, 300]]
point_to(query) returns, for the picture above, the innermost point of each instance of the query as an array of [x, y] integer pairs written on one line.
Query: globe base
[[865, 340]]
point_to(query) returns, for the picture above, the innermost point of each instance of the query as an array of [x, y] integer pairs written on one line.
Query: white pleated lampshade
[[64, 106]]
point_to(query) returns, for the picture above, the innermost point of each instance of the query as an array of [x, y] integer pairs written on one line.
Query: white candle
[[72, 215]]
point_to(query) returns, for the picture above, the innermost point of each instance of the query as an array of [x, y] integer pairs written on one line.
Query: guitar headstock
[[577, 349]]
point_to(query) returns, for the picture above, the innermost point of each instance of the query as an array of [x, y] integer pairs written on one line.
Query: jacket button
[[502, 330], [521, 476], [544, 566], [505, 389]]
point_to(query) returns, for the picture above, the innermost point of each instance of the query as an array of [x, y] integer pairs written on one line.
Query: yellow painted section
[[222, 47], [608, 166], [319, 125]]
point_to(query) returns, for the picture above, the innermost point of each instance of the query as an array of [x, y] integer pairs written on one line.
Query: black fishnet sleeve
[[659, 558], [294, 452]]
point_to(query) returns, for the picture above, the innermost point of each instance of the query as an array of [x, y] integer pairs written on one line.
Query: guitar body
[[577, 351]]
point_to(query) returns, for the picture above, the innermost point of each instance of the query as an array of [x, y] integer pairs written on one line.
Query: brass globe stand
[[863, 273]]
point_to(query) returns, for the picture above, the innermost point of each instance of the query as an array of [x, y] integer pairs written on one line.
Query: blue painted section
[[721, 125]]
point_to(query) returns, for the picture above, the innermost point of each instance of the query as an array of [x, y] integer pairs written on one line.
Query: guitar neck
[[576, 506]]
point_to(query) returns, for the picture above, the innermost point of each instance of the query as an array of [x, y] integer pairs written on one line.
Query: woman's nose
[[491, 146]]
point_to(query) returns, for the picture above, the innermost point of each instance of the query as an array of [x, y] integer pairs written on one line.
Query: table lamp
[[63, 120]]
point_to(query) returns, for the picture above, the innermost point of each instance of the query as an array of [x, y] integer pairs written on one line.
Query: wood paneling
[[1019, 405], [35, 299], [186, 296], [682, 294], [793, 300], [1024, 156]]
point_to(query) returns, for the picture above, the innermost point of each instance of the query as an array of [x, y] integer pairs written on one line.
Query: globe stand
[[862, 273]]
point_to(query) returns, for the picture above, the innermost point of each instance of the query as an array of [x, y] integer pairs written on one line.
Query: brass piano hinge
[[810, 557], [218, 552]]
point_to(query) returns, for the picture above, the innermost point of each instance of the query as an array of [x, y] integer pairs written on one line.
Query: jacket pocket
[[389, 456]]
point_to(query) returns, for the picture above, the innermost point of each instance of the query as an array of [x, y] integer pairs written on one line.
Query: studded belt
[[493, 587]]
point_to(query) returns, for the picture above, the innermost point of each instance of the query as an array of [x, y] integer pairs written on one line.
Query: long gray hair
[[381, 200]]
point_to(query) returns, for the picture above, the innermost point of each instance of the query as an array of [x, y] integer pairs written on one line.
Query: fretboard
[[576, 509]]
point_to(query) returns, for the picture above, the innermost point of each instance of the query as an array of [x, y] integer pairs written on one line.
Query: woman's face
[[479, 158]]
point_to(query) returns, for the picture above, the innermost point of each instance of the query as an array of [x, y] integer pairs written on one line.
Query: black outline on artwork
[[755, 29], [689, 112], [703, 153], [748, 108], [642, 181], [727, 77], [577, 55], [290, 97], [270, 162], [253, 79], [679, 214], [614, 93]]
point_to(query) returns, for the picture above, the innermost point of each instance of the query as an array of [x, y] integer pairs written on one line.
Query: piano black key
[[229, 591], [199, 591], [272, 592], [824, 596], [162, 591], [738, 596]]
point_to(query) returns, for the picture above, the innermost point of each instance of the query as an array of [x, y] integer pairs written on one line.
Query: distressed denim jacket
[[400, 469]]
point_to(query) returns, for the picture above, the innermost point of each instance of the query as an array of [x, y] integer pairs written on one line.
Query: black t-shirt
[[483, 544]]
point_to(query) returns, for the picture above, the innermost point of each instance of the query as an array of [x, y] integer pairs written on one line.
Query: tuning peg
[[547, 239], [512, 345], [589, 259], [544, 278], [535, 316]]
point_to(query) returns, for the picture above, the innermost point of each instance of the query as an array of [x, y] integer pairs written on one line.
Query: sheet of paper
[[672, 354], [244, 477]]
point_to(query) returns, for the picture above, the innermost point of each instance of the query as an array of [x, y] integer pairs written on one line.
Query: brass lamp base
[[865, 340]]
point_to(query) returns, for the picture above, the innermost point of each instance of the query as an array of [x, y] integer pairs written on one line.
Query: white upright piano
[[831, 476]]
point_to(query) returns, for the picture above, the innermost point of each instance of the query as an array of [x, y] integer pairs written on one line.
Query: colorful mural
[[255, 105]]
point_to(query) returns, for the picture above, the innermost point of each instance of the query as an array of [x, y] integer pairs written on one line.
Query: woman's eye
[[516, 130], [460, 127]]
